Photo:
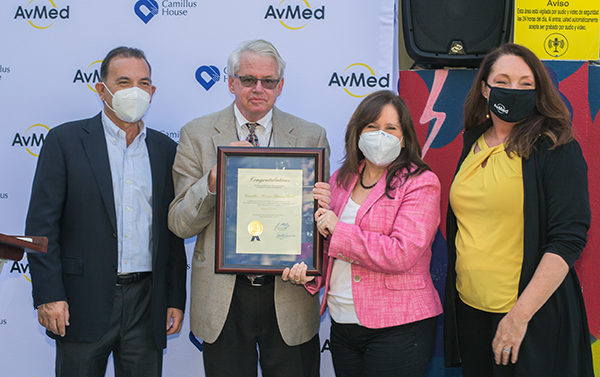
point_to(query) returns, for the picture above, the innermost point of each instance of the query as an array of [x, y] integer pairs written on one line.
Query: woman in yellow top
[[518, 220]]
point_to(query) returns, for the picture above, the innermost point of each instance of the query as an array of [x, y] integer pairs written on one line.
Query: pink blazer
[[390, 251]]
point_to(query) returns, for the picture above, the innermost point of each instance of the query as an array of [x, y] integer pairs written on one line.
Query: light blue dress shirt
[[132, 189]]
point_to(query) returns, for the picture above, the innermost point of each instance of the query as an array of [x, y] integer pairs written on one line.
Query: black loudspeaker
[[455, 33]]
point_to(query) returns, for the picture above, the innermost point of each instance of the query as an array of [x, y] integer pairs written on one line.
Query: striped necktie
[[252, 138]]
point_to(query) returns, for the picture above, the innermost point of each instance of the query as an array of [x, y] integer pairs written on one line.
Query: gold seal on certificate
[[255, 228]]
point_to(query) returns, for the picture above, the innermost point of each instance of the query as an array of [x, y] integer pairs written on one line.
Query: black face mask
[[511, 105]]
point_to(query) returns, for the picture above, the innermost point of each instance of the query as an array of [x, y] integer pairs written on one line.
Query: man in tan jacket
[[231, 313]]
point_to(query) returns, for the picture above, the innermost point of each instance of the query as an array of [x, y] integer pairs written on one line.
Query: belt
[[256, 281], [134, 277]]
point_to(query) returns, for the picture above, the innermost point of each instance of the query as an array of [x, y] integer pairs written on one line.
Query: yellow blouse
[[488, 203]]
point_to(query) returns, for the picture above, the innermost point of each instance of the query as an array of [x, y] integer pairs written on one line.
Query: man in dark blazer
[[114, 276]]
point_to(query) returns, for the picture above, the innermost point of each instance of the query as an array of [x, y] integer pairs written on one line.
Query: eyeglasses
[[250, 82]]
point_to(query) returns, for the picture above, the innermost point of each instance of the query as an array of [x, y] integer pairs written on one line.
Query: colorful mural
[[435, 99]]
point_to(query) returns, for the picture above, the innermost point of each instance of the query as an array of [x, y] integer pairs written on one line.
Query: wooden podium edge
[[13, 248]]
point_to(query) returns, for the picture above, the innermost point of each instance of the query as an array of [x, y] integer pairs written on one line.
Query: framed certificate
[[265, 210]]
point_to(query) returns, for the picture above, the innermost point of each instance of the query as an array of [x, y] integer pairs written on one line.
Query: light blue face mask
[[379, 147]]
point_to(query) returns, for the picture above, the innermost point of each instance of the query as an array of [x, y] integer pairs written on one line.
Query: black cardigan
[[556, 220]]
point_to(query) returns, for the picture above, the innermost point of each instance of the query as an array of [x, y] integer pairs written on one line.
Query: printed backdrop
[[337, 52], [50, 54]]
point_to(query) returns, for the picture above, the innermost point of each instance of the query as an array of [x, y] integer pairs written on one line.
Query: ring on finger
[[506, 349]]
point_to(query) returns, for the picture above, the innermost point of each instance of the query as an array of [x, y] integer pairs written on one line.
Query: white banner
[[50, 54]]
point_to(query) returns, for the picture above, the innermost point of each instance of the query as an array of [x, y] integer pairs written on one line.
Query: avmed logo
[[89, 76], [207, 76], [146, 9], [501, 108], [33, 139], [295, 14], [359, 80], [41, 14], [21, 267]]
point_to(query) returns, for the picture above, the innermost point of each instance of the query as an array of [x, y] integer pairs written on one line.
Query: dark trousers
[[476, 330], [403, 350], [252, 321], [130, 338]]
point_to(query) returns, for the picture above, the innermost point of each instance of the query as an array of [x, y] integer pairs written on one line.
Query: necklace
[[363, 185]]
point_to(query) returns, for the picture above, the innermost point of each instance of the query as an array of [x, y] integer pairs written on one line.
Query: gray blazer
[[192, 213]]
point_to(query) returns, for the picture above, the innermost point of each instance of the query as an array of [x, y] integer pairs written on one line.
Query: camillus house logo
[[41, 14], [89, 76], [147, 9], [207, 76], [359, 80], [32, 139], [295, 15], [3, 70]]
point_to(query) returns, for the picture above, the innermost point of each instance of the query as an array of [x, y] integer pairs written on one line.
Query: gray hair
[[257, 46]]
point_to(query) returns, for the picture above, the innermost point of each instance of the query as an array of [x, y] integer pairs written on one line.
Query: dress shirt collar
[[113, 131], [242, 130]]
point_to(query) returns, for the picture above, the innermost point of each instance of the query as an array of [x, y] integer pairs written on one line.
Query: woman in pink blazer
[[384, 213]]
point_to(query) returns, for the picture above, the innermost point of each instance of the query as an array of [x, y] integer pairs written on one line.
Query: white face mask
[[379, 147], [129, 104]]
